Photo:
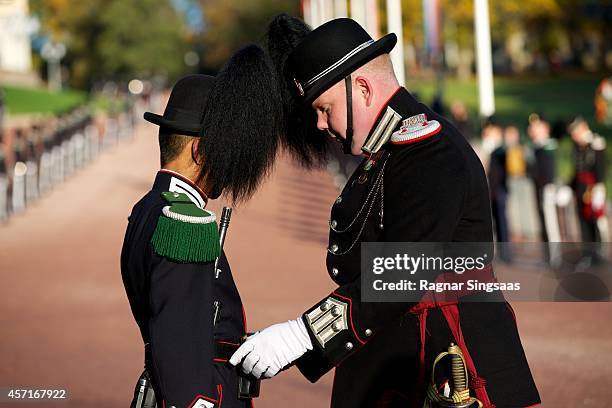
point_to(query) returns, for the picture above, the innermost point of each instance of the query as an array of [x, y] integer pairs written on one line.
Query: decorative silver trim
[[382, 132], [386, 133], [338, 63], [414, 120], [179, 186], [299, 87], [406, 134], [328, 319], [167, 211]]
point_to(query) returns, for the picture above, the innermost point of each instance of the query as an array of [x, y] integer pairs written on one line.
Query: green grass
[[558, 98], [38, 101], [515, 98]]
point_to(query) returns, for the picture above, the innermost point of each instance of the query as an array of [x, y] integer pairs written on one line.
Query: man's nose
[[322, 121]]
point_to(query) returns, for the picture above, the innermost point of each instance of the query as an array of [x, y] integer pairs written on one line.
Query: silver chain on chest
[[377, 188]]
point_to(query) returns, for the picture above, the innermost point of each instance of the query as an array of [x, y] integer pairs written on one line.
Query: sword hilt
[[459, 377], [460, 397]]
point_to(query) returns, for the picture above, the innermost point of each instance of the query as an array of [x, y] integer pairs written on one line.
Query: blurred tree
[[115, 39], [541, 34], [414, 36], [588, 24], [517, 27], [145, 37], [503, 15], [232, 24]]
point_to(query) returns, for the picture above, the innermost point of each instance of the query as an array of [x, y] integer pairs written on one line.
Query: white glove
[[267, 352], [598, 196]]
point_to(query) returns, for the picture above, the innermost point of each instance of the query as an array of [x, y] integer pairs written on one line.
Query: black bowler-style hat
[[186, 106], [330, 53]]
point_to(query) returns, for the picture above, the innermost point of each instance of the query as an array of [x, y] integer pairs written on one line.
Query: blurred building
[[16, 26]]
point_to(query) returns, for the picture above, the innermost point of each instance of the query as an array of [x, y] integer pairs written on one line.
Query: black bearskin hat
[[300, 134], [242, 126]]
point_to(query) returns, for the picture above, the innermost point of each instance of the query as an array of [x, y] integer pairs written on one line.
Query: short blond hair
[[380, 67]]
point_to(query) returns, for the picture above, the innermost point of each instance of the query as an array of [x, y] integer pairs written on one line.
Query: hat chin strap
[[347, 143]]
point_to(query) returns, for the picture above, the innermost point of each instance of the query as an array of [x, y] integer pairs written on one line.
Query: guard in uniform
[[498, 185], [543, 171], [176, 275], [544, 167], [420, 181], [4, 214], [588, 181]]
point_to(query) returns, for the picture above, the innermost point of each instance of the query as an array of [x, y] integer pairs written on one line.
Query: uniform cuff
[[329, 324]]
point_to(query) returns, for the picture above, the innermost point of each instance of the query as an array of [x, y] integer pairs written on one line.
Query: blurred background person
[[520, 212], [3, 183], [461, 119], [437, 104], [543, 171], [18, 174], [588, 182], [3, 176], [515, 152], [498, 187], [2, 108], [491, 137], [603, 102]]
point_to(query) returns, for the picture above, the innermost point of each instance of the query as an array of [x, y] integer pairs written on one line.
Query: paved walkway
[[66, 321]]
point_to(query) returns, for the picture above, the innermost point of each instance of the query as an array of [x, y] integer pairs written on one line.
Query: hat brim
[[382, 46], [188, 129]]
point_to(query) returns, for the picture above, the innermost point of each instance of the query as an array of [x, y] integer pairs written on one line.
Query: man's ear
[[364, 89], [195, 153]]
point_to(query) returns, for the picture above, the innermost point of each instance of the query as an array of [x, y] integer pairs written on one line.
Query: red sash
[[450, 310]]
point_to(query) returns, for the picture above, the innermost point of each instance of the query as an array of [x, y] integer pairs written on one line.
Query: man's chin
[[341, 139], [335, 136], [357, 152], [356, 149]]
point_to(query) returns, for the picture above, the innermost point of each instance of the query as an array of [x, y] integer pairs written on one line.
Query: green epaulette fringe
[[185, 232]]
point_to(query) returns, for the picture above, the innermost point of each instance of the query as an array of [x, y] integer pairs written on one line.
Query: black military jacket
[[432, 189], [590, 169], [591, 158], [174, 305], [498, 173], [545, 166]]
